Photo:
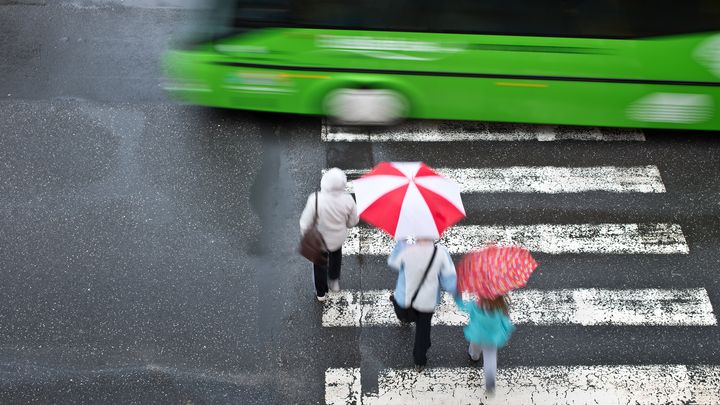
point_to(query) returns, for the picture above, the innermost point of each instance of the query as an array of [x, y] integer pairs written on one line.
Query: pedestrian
[[336, 212], [424, 269], [488, 329]]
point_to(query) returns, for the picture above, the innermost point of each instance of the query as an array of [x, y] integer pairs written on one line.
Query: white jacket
[[336, 210]]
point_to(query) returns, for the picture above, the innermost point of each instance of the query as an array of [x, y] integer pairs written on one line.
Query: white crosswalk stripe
[[618, 384], [549, 179], [646, 307], [448, 131], [544, 238]]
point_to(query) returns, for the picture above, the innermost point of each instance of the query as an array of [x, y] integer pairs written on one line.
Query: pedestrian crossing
[[585, 306], [605, 384], [548, 179], [660, 238], [686, 307], [443, 131]]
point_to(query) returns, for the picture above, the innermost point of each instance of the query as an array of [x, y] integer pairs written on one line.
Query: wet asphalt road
[[147, 248]]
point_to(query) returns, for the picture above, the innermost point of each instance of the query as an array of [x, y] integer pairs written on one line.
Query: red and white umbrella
[[408, 199]]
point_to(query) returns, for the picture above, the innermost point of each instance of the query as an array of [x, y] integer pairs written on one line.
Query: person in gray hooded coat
[[336, 213]]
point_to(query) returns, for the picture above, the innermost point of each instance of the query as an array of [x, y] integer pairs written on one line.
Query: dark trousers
[[331, 271], [422, 338]]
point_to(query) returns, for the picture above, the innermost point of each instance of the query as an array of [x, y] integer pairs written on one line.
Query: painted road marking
[[642, 307], [455, 131], [342, 386], [605, 384], [548, 179], [544, 238]]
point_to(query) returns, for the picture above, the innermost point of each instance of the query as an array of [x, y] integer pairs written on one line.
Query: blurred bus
[[625, 63]]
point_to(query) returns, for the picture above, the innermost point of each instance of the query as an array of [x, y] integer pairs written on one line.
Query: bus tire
[[348, 106]]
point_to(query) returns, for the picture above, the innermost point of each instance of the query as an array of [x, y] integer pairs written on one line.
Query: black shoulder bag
[[409, 314], [312, 245]]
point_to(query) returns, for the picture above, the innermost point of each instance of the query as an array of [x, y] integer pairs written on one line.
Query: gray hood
[[333, 181]]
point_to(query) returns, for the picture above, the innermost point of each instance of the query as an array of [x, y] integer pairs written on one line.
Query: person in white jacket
[[337, 212], [411, 260]]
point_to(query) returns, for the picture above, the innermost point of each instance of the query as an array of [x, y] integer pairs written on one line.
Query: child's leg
[[490, 367], [474, 351]]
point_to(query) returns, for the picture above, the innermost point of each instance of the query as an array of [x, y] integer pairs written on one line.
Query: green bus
[[620, 63]]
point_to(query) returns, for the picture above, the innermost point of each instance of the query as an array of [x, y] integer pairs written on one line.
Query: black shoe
[[419, 368]]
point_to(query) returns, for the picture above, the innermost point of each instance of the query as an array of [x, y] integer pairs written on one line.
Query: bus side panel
[[567, 102]]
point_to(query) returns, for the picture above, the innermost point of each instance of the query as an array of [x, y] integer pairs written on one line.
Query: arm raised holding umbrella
[[488, 274], [424, 270], [410, 201]]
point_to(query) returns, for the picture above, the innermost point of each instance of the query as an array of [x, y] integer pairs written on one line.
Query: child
[[489, 328]]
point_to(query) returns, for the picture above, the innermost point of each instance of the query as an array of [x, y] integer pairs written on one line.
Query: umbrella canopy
[[408, 200], [494, 270]]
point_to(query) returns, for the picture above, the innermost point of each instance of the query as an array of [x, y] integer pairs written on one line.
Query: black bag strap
[[424, 276], [315, 221]]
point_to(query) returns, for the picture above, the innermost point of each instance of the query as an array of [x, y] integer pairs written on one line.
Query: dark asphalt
[[147, 249]]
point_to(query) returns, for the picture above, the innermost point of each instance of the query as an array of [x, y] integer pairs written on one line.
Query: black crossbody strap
[[315, 222], [424, 276]]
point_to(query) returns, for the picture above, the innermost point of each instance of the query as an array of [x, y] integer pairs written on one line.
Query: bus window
[[381, 15], [547, 18], [554, 18], [600, 19], [668, 17], [251, 14], [537, 17]]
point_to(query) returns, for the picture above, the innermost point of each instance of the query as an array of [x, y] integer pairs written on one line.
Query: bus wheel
[[365, 106]]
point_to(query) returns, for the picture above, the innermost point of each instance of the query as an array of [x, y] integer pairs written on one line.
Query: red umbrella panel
[[408, 199], [494, 270]]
